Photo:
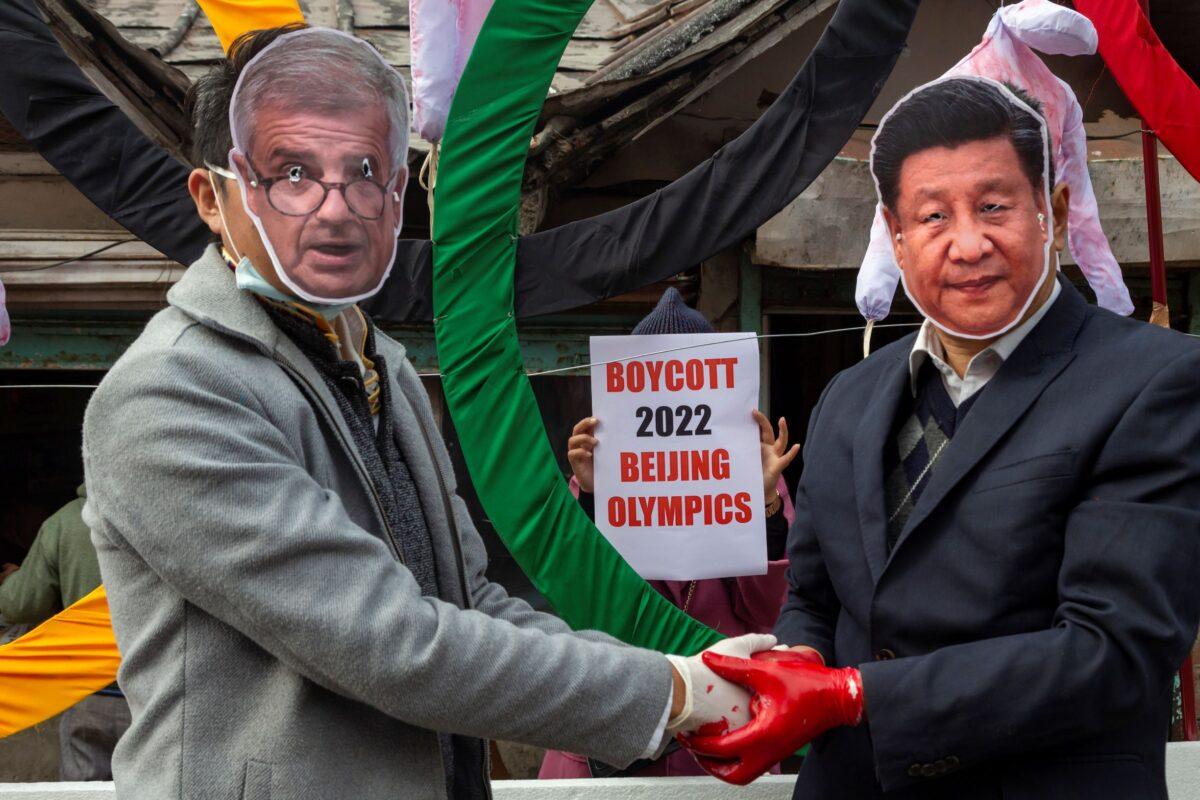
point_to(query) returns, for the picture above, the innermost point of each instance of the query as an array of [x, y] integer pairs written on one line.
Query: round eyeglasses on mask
[[295, 194]]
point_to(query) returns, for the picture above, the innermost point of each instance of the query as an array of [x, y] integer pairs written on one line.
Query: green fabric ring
[[491, 402]]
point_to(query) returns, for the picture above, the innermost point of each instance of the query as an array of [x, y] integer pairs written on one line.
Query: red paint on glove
[[790, 656], [713, 728], [795, 700]]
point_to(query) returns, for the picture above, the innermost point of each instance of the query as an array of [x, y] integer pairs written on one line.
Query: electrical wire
[[559, 370], [48, 386], [870, 126], [1134, 132], [805, 334], [83, 257], [801, 335]]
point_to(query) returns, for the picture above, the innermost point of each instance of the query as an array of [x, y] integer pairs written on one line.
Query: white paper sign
[[678, 471]]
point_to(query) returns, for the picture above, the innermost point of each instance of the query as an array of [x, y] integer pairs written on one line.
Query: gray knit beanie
[[672, 315]]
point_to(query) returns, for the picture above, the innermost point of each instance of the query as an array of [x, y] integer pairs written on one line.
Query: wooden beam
[[183, 23], [145, 87], [569, 160], [646, 22], [345, 16], [380, 14], [776, 31]]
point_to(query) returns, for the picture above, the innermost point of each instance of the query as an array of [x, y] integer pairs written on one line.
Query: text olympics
[[686, 510]]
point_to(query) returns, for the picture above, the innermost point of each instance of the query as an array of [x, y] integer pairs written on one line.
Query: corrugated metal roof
[[613, 36], [630, 63]]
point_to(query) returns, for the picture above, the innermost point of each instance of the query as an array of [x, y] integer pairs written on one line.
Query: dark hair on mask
[[951, 113], [207, 100]]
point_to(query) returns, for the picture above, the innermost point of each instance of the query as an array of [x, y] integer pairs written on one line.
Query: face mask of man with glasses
[[321, 177], [323, 190]]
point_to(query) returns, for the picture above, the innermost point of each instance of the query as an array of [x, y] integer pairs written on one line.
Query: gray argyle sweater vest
[[926, 424]]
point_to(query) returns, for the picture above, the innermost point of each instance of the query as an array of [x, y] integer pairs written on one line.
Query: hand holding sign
[[580, 448], [676, 470], [775, 454]]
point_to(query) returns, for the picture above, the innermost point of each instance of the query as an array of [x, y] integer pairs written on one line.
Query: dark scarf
[[380, 453], [393, 483]]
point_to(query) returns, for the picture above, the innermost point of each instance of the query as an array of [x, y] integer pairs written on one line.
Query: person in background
[[731, 606], [61, 568]]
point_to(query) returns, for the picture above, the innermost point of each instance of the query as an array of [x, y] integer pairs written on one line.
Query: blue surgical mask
[[248, 278]]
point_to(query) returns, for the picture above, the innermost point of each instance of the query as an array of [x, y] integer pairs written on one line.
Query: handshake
[[747, 706]]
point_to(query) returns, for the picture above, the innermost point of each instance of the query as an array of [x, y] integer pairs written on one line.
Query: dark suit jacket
[[1020, 640]]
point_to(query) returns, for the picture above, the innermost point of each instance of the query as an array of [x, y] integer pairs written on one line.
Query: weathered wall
[[827, 226], [31, 755], [944, 32], [34, 195]]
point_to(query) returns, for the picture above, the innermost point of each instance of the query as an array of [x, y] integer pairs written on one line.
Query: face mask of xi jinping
[[970, 226], [315, 166]]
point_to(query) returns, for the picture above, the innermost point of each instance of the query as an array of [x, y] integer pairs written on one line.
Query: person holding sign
[[731, 606], [998, 525]]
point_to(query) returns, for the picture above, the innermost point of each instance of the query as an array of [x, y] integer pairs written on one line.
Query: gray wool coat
[[273, 644]]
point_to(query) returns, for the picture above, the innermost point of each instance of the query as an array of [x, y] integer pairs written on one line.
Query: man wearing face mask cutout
[[998, 525], [297, 591]]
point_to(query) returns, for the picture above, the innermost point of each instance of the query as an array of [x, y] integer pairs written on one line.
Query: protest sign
[[678, 471]]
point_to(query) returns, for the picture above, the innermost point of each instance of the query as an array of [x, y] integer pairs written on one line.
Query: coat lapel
[[870, 440], [1036, 362], [208, 293]]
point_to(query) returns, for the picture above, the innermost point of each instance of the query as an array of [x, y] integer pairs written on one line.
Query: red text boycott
[[672, 375]]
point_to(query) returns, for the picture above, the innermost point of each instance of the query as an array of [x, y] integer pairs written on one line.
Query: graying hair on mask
[[325, 71]]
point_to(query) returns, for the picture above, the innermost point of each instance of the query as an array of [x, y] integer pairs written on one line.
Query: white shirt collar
[[983, 366]]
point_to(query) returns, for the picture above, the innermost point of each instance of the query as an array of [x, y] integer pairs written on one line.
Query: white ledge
[[774, 787], [1183, 782]]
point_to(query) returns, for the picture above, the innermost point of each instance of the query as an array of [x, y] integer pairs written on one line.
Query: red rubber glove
[[795, 700]]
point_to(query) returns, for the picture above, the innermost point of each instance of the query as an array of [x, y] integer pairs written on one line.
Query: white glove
[[711, 698]]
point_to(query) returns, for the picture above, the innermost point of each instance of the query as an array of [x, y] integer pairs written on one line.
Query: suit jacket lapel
[[1037, 361], [870, 439]]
